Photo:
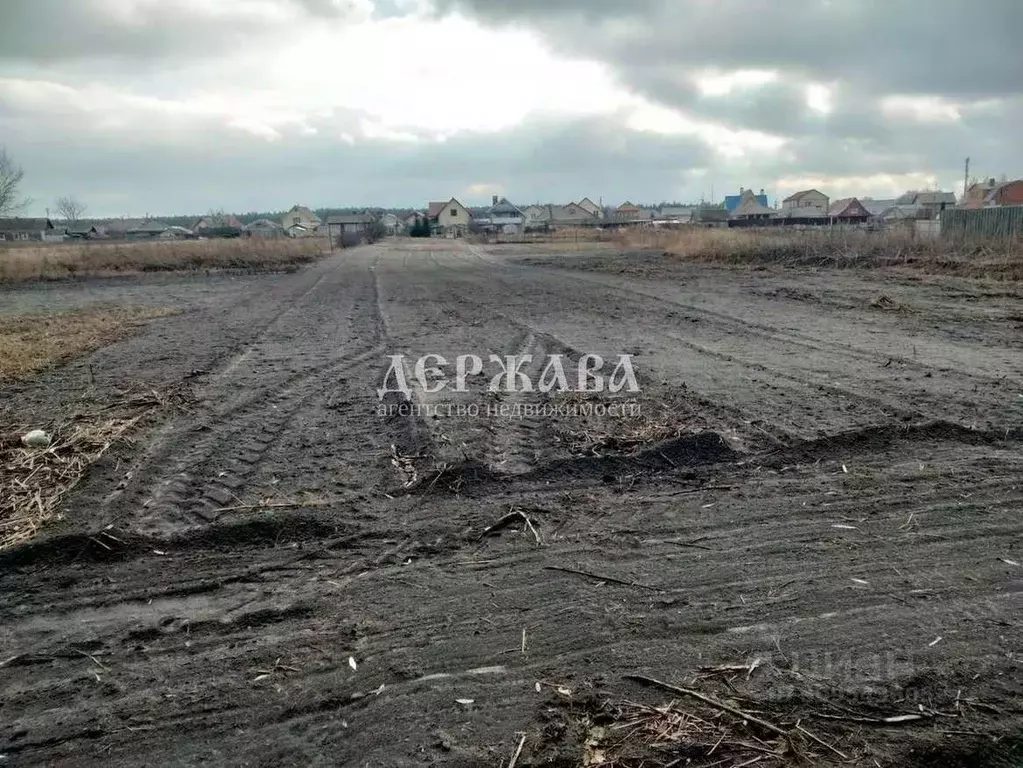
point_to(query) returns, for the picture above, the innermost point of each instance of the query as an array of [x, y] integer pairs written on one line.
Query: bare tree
[[70, 208], [11, 175]]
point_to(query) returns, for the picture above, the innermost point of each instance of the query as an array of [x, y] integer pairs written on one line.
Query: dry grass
[[33, 343], [34, 481], [995, 259], [62, 261]]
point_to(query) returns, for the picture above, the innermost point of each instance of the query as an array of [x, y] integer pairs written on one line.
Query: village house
[[571, 215], [848, 210], [536, 215], [29, 230], [675, 213], [751, 209], [301, 217], [505, 217], [877, 207], [118, 228], [157, 230], [806, 200], [264, 228], [994, 193], [217, 225], [392, 223], [450, 219], [298, 230], [932, 203], [628, 212], [709, 216], [591, 208], [80, 231], [732, 202]]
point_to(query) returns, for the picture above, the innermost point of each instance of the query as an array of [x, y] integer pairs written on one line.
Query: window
[[454, 211], [297, 220]]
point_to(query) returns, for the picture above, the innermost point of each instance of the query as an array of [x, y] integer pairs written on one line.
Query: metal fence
[[961, 223]]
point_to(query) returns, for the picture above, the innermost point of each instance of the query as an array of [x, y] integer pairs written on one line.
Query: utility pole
[[966, 178]]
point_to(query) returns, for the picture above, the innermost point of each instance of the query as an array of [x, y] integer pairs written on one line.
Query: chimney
[[991, 181], [761, 191], [495, 200], [741, 190]]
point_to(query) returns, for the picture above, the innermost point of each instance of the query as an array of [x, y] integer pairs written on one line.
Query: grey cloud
[[48, 31], [893, 46], [865, 50], [539, 160]]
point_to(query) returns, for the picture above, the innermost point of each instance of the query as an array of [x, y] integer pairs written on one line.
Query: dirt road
[[816, 516]]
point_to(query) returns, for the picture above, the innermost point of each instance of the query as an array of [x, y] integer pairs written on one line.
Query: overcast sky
[[182, 106]]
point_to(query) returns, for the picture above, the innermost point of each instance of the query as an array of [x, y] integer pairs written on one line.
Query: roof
[[848, 207], [710, 213], [732, 202], [25, 225], [750, 205], [436, 207], [992, 194], [627, 204], [795, 197], [877, 207], [572, 212], [263, 224], [926, 198], [902, 212], [505, 207], [152, 225], [122, 225], [351, 218], [217, 222], [304, 211], [935, 198]]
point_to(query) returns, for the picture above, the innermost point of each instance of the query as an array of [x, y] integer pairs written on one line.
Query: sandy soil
[[817, 518]]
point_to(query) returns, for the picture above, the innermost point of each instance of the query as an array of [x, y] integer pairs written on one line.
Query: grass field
[[33, 343], [995, 259], [62, 261]]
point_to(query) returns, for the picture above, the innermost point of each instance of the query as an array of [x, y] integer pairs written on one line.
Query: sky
[[140, 107]]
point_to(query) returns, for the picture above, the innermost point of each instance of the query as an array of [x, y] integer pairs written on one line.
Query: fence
[[961, 223]]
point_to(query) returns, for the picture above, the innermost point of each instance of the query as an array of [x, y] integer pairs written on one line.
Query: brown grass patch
[[1000, 259], [68, 260], [33, 343]]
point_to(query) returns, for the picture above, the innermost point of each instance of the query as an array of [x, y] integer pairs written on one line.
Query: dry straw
[[62, 261], [34, 481]]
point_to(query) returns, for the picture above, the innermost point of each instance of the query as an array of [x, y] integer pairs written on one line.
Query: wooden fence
[[961, 223]]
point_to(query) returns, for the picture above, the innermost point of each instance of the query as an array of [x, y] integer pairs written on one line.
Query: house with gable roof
[[450, 219]]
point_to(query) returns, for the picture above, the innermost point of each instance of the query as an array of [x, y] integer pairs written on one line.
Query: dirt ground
[[815, 522]]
